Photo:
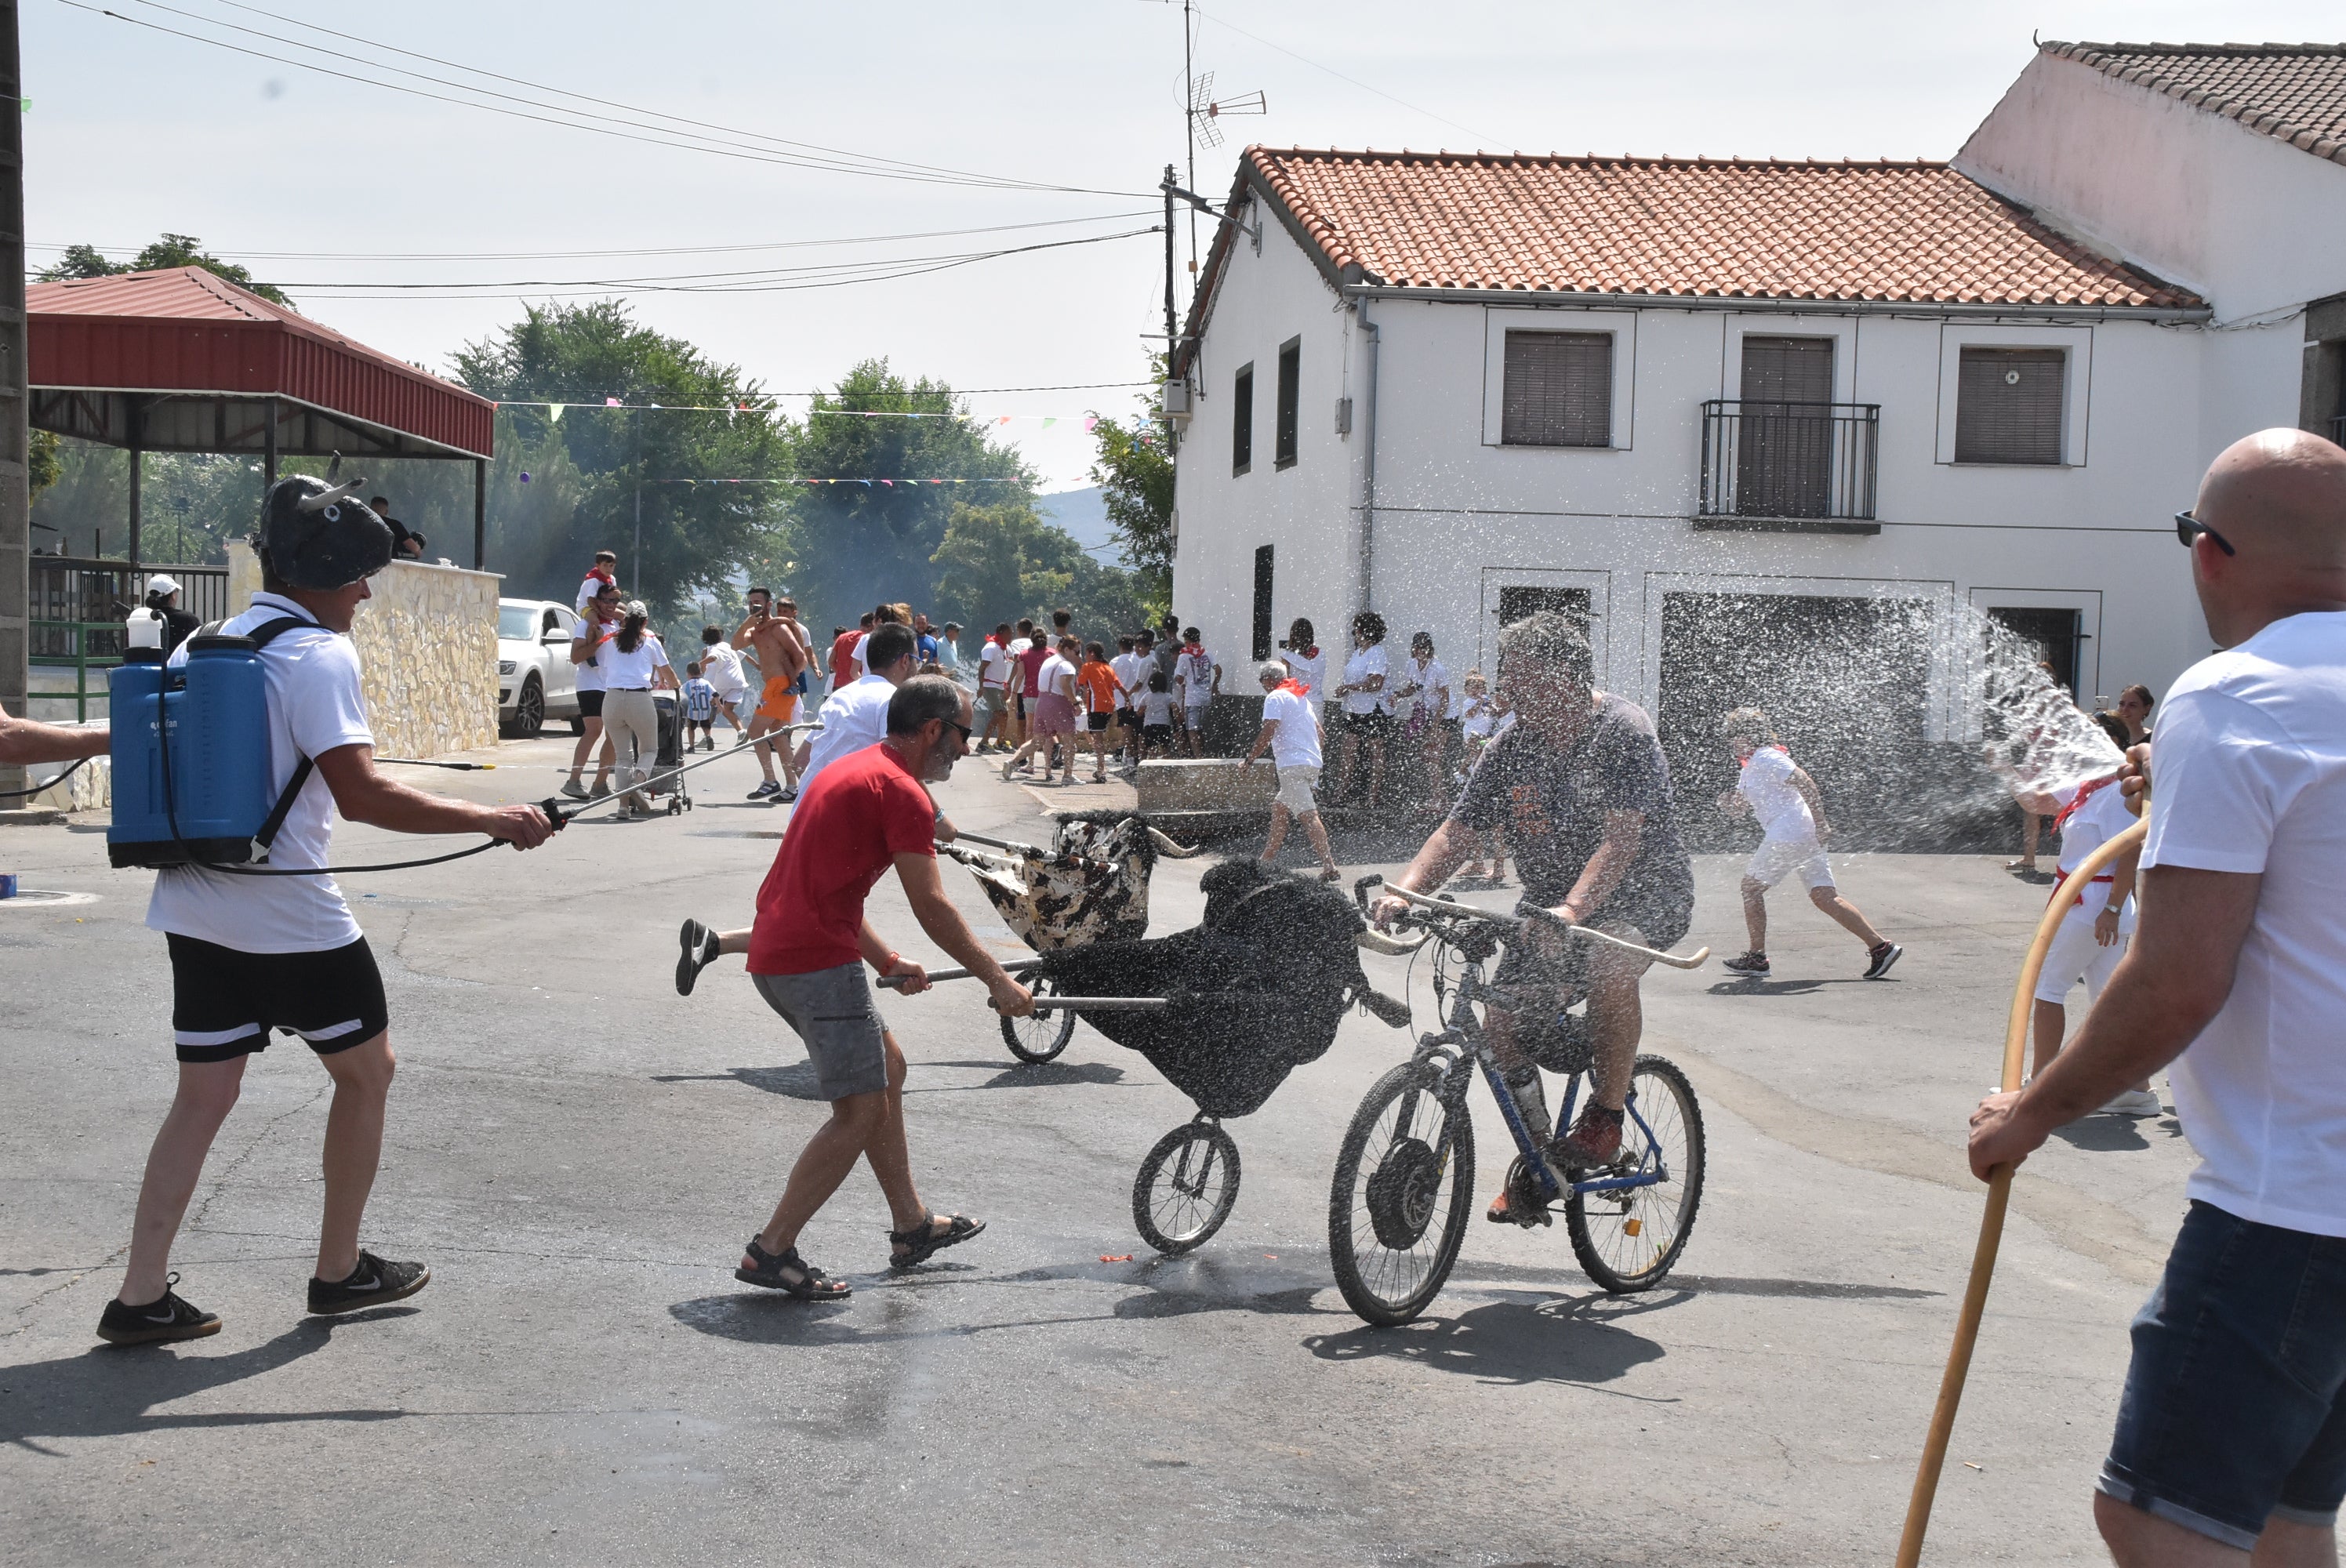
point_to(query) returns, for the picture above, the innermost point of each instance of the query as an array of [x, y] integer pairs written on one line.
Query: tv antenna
[[1205, 109]]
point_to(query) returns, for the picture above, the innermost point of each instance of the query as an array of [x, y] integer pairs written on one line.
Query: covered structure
[[181, 360]]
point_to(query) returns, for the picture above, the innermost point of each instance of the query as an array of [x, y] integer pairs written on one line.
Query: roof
[[2294, 93], [183, 332]]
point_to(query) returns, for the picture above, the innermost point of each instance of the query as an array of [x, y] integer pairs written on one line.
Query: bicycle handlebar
[[1527, 913]]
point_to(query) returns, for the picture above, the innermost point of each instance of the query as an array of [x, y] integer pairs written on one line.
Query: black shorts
[[224, 1003], [1376, 722], [590, 705], [1129, 717], [1156, 734], [1095, 722]]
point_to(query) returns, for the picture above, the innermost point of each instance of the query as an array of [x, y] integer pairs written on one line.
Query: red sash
[[1296, 686], [2061, 877], [2084, 793]]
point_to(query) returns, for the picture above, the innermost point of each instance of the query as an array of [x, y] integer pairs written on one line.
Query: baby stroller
[[1091, 885], [1226, 1012], [669, 755]]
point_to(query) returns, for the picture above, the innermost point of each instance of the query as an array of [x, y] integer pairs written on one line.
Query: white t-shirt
[[315, 705], [721, 665], [1365, 664], [1312, 669], [587, 592], [1155, 708], [1194, 673], [1295, 742], [1766, 784], [1476, 715], [590, 674], [2249, 775], [1130, 670], [631, 671], [2101, 818], [1432, 680], [993, 668], [1054, 670], [855, 717]]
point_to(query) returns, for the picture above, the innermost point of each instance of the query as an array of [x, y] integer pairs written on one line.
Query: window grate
[[1557, 389]]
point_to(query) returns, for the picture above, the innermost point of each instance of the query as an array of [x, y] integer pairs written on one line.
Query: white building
[[1743, 415]]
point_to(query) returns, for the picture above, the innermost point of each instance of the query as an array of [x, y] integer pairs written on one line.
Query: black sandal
[[924, 1241], [772, 1270]]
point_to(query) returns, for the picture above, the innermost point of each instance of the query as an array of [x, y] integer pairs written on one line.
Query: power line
[[1330, 70], [878, 169]]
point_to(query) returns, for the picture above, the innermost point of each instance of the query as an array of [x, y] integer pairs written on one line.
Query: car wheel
[[529, 710]]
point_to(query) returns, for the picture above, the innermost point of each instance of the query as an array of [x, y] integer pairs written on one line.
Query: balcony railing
[[1789, 460]]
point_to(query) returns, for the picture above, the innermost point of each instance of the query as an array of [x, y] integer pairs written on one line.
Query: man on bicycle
[[1579, 786]]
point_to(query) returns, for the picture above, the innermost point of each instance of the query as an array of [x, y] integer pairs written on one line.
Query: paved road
[[579, 1152]]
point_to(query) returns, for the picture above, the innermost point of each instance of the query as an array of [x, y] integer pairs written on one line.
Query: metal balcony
[[1788, 465]]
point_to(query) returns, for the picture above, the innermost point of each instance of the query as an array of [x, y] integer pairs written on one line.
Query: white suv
[[535, 679]]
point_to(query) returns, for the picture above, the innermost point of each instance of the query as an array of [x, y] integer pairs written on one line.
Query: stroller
[[1091, 885], [669, 755], [1226, 1012]]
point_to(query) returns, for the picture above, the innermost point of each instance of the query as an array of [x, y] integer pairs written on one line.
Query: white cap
[[161, 583]]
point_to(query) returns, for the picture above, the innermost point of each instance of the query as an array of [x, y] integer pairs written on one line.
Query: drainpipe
[[1368, 457]]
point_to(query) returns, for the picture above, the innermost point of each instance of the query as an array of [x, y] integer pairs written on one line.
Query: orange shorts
[[780, 701]]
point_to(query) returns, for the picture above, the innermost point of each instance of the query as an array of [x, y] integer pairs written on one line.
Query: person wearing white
[[1291, 733], [253, 954], [1480, 719], [587, 635], [634, 663], [1367, 710], [720, 666], [2092, 937], [2226, 1448], [1131, 671], [1306, 662], [857, 714], [1778, 791], [1197, 676], [1421, 697], [596, 581]]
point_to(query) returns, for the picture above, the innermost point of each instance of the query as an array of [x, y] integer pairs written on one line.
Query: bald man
[[2231, 1434], [26, 740]]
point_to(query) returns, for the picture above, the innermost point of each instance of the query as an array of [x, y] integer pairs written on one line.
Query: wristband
[[888, 965]]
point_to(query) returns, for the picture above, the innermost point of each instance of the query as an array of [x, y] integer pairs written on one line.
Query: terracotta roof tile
[[2294, 93], [1735, 228]]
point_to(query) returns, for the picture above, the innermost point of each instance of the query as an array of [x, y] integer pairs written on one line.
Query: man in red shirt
[[844, 671], [863, 814]]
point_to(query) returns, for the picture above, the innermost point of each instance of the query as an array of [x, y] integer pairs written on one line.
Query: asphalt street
[[579, 1153]]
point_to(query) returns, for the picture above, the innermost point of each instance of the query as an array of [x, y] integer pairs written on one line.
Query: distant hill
[[1084, 514]]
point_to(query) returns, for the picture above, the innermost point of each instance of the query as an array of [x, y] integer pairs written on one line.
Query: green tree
[[698, 466], [870, 525], [1133, 466], [170, 251], [1000, 562]]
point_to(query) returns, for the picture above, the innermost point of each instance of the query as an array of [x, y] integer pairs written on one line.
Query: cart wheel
[[688, 802], [1186, 1187], [1038, 1036], [675, 807]]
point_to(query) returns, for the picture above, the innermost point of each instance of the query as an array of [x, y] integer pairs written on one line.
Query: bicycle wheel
[[1038, 1036], [1186, 1187], [1628, 1240], [1404, 1186]]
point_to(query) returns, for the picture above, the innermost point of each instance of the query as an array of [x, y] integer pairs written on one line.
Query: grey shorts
[[832, 1011]]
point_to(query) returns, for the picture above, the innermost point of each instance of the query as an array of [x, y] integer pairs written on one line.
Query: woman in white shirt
[[1306, 661], [1422, 694], [632, 663], [1368, 713]]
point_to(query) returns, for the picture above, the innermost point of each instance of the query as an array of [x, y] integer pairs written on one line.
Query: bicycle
[[1628, 1220]]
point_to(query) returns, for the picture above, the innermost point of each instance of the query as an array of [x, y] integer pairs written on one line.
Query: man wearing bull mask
[[1579, 786]]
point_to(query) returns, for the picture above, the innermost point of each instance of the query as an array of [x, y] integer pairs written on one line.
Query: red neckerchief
[[1758, 749], [2084, 793], [1197, 648], [1311, 652], [1296, 686], [601, 575]]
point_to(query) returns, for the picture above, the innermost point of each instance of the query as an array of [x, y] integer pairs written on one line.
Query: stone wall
[[428, 645]]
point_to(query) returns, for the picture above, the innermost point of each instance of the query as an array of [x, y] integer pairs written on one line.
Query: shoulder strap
[[270, 631], [263, 636]]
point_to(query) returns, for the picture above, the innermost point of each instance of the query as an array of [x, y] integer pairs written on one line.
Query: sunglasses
[[966, 731], [2189, 528]]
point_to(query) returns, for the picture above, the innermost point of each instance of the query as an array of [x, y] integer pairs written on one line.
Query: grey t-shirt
[[1551, 807]]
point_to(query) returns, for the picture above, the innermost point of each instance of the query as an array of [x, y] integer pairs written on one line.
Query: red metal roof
[[185, 331]]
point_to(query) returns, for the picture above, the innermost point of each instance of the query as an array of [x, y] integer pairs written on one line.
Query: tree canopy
[[1134, 469], [170, 251], [1000, 562]]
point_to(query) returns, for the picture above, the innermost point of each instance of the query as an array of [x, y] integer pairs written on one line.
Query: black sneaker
[[699, 945], [372, 1283], [1751, 964], [1881, 958], [167, 1318]]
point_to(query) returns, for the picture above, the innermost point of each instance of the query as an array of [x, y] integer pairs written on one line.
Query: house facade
[[1763, 426]]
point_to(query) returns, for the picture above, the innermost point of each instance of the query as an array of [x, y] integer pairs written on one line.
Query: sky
[[1061, 113]]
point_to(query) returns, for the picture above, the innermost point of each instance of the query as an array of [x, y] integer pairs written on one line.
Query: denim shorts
[[2235, 1405]]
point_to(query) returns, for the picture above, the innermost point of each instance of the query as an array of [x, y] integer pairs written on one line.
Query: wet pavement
[[579, 1152]]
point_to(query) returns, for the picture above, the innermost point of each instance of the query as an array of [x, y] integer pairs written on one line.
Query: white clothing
[[595, 635], [1155, 708], [1474, 717], [1047, 679], [855, 717], [626, 670], [1295, 742], [2101, 818], [1130, 670], [587, 592], [1776, 859], [994, 666], [315, 705], [2250, 762], [1296, 790], [1194, 675], [1311, 670], [2076, 954], [861, 668], [1365, 664], [1766, 784], [720, 666], [1432, 679]]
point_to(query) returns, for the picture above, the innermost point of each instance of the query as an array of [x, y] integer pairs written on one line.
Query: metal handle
[[1015, 966]]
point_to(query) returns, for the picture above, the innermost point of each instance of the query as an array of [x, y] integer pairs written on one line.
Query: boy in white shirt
[[1199, 677], [1776, 790], [1131, 671], [1290, 732]]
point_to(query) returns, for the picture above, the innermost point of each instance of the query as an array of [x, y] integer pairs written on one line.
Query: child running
[[1776, 790], [700, 709]]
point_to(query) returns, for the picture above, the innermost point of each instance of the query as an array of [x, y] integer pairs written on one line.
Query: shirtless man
[[781, 650]]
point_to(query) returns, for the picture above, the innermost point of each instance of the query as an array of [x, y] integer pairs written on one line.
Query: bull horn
[[326, 498], [1378, 942], [1167, 846]]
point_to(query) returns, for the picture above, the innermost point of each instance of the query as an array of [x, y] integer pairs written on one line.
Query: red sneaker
[[1594, 1140]]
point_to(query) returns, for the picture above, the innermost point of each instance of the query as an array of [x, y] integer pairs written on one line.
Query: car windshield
[[518, 622]]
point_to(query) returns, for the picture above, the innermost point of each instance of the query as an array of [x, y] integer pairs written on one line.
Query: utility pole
[[15, 434], [1172, 326]]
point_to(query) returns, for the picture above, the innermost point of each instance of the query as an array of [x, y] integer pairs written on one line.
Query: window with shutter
[[1557, 389], [1282, 424], [1242, 420], [2009, 405], [1261, 623]]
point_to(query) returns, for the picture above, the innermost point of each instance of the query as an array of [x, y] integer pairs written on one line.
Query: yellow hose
[[1999, 1194]]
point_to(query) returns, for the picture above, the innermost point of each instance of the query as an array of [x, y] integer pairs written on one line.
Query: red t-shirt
[[1032, 659], [858, 816], [842, 653]]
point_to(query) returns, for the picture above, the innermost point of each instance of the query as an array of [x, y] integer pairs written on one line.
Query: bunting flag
[[612, 403], [555, 410]]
